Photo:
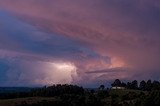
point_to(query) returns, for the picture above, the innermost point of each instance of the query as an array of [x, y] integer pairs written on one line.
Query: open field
[[116, 95], [29, 100]]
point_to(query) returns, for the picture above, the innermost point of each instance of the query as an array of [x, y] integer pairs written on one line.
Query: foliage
[[144, 94]]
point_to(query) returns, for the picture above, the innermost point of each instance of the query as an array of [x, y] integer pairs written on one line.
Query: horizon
[[83, 42]]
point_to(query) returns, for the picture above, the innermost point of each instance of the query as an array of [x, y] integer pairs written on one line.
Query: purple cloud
[[91, 34]]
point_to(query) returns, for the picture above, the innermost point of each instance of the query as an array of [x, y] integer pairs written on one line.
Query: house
[[118, 87]]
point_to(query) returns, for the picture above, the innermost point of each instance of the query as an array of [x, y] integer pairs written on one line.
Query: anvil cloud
[[100, 40]]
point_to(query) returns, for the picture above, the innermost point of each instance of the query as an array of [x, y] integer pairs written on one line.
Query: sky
[[84, 42]]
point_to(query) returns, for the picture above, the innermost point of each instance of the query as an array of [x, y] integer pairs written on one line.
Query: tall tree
[[129, 85], [156, 85], [142, 85], [101, 87], [149, 85], [117, 82], [134, 84]]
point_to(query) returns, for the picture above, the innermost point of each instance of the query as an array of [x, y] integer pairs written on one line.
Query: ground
[[30, 100]]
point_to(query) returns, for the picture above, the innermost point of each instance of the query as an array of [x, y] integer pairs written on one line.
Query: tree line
[[144, 93], [143, 85]]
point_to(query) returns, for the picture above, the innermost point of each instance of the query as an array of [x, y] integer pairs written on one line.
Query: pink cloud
[[126, 31]]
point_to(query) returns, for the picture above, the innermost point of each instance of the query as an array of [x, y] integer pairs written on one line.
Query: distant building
[[118, 87]]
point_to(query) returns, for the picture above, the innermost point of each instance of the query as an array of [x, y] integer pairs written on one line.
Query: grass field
[[118, 96], [30, 100]]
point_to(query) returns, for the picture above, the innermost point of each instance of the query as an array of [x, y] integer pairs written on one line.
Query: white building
[[117, 87]]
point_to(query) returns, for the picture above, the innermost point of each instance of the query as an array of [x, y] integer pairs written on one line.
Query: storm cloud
[[92, 35]]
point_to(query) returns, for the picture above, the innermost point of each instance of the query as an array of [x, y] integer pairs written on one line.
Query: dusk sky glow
[[84, 42]]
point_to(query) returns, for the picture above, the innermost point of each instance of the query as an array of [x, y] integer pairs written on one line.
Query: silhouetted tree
[[101, 87], [142, 85], [123, 84], [155, 85], [128, 86], [134, 84], [117, 82], [149, 85]]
